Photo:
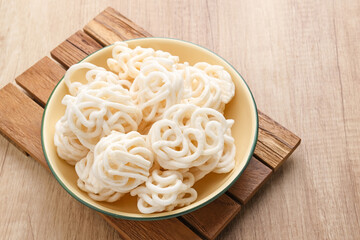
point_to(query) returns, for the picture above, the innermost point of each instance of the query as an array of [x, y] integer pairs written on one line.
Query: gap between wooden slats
[[40, 79], [243, 189], [84, 42], [156, 230], [75, 48], [208, 221]]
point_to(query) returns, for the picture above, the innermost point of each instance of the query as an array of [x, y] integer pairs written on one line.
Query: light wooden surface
[[276, 142], [302, 62]]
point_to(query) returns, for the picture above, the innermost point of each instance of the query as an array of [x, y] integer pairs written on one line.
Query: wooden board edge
[[288, 155], [6, 132], [258, 172]]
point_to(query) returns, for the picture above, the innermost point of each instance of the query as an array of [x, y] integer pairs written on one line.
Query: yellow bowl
[[242, 109]]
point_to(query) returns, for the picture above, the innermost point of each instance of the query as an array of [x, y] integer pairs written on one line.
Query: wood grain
[[279, 132], [275, 142], [165, 229], [75, 48], [20, 121], [83, 42], [300, 59], [111, 26], [40, 79], [210, 220], [243, 189], [67, 54]]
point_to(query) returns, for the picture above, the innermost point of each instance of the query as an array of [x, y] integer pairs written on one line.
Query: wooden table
[[302, 62]]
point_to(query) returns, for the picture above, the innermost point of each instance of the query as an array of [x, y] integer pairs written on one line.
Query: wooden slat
[[267, 155], [278, 146], [275, 143], [40, 79], [243, 189], [210, 220], [101, 33], [156, 230], [111, 26], [67, 54], [20, 121], [75, 48], [84, 42], [277, 131]]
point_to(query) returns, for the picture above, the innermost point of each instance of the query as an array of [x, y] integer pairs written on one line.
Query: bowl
[[242, 109]]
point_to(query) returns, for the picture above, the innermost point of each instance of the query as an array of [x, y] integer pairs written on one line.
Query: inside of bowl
[[242, 109]]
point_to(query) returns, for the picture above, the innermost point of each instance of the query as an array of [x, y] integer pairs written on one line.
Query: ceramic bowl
[[242, 109]]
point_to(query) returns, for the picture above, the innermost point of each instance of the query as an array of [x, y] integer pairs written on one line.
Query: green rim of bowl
[[171, 215]]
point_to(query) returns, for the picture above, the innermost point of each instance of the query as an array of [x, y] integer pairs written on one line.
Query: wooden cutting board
[[21, 109]]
